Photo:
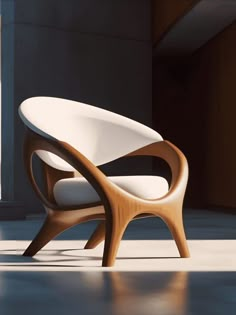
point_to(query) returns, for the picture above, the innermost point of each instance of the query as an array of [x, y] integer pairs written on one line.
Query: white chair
[[72, 137]]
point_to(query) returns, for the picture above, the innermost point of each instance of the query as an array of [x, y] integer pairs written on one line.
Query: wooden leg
[[177, 230], [97, 237], [114, 233], [59, 221], [49, 230]]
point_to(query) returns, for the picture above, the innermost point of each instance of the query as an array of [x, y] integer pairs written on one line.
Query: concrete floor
[[148, 278]]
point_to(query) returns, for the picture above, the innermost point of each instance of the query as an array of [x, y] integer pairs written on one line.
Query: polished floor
[[148, 278]]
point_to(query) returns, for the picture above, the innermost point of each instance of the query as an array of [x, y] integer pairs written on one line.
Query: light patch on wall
[[0, 100]]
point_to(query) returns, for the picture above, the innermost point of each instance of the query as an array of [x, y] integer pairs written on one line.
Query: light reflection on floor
[[117, 293]]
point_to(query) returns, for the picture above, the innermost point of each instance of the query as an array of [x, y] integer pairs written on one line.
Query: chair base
[[59, 221]]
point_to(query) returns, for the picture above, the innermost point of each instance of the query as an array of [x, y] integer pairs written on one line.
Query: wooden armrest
[[78, 161], [175, 159]]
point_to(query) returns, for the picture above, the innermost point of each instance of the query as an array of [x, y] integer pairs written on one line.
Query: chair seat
[[75, 191]]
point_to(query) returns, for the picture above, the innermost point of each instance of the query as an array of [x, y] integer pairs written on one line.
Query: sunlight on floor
[[141, 255]]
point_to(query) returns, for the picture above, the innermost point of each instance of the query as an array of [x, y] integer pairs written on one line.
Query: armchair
[[69, 136]]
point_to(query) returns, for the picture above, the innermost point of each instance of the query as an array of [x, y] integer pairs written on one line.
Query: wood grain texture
[[199, 90], [120, 207], [57, 222], [215, 75]]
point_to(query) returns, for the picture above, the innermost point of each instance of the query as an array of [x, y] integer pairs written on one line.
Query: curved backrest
[[100, 135]]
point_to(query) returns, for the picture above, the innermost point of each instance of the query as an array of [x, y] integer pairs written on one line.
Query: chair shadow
[[15, 258]]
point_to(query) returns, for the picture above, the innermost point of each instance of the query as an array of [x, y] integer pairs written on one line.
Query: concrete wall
[[97, 52]]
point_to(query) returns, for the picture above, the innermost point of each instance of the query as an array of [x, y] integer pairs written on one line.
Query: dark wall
[[179, 114], [97, 52], [93, 51], [165, 13], [194, 101], [216, 71]]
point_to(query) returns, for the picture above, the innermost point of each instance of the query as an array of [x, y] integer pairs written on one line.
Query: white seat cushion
[[75, 191]]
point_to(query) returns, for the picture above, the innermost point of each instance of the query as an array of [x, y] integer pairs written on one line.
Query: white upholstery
[[75, 191], [100, 135]]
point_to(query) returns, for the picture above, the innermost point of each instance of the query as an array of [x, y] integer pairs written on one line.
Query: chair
[[72, 137]]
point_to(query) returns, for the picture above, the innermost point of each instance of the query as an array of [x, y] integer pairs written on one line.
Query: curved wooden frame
[[117, 206]]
